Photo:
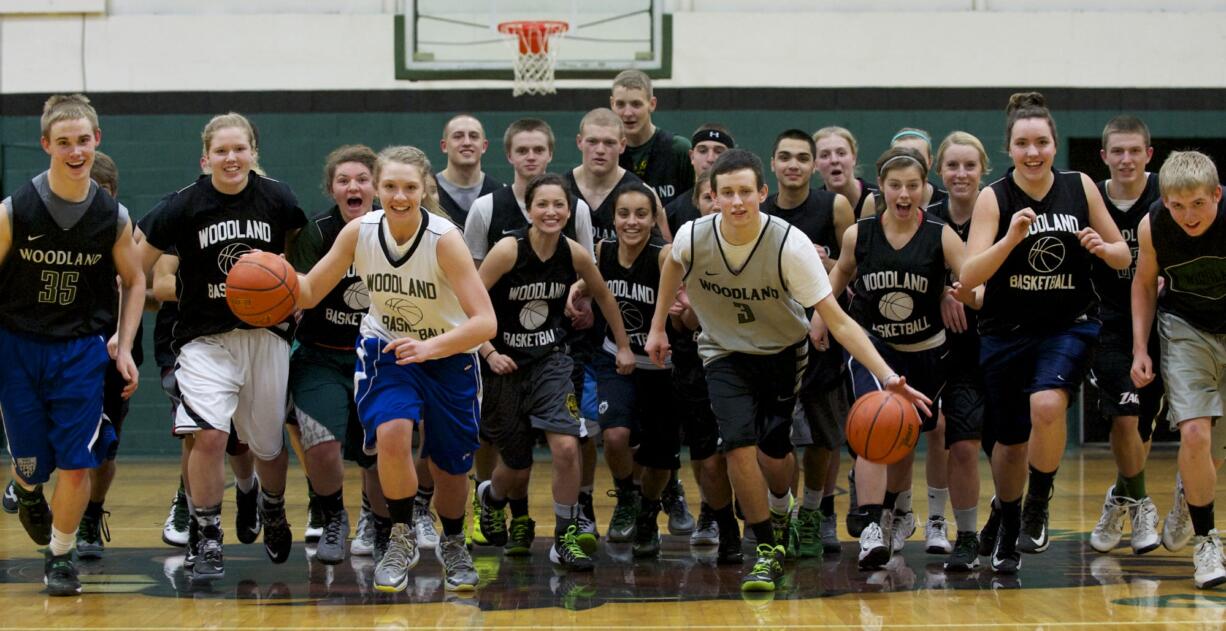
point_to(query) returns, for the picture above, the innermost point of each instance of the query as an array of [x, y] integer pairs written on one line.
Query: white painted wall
[[354, 51]]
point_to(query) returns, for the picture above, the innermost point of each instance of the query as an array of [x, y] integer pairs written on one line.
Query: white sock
[[812, 499], [61, 542], [936, 501], [780, 505], [903, 503], [966, 518], [191, 507], [245, 485]]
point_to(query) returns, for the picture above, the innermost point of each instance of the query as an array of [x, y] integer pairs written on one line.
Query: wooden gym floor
[[140, 585]]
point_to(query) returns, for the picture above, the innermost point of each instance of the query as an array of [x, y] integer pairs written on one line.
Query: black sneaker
[[9, 502], [247, 517], [192, 549], [209, 564], [965, 555], [647, 535], [91, 534], [729, 551], [987, 536], [60, 575], [278, 539], [566, 552], [680, 521], [1005, 557], [625, 517], [315, 519], [35, 515], [1033, 538], [857, 520], [493, 520]]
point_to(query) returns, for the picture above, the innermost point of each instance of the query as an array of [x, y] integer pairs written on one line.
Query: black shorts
[[699, 429], [1117, 396], [821, 415], [753, 397], [962, 401], [643, 402], [535, 398]]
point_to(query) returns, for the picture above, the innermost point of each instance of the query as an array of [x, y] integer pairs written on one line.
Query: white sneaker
[[1207, 558], [363, 542], [874, 553], [1177, 529], [1110, 527], [935, 533], [423, 523], [903, 528], [1145, 527]]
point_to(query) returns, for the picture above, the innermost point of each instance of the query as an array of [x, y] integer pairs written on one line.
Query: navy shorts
[[442, 395], [1111, 373], [1016, 366], [51, 401], [644, 402], [924, 370]]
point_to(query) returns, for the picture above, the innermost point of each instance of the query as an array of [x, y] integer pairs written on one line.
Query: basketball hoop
[[537, 53]]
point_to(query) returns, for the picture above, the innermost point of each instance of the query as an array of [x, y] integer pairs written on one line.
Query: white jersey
[[409, 295]]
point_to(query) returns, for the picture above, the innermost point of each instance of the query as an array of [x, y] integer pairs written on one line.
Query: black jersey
[[507, 217], [814, 217], [57, 283], [1044, 284], [663, 164], [210, 231], [602, 216], [634, 288], [898, 291], [865, 190], [453, 209], [530, 301], [168, 313], [1114, 286], [939, 196], [964, 344], [1194, 269], [681, 210], [333, 323]]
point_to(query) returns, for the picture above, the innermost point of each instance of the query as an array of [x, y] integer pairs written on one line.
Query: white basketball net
[[536, 56]]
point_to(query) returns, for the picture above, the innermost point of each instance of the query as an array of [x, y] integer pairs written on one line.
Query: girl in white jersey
[[428, 314]]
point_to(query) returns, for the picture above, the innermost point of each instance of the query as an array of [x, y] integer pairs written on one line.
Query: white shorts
[[240, 375]]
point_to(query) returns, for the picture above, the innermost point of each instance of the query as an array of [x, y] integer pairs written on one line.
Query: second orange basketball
[[882, 427]]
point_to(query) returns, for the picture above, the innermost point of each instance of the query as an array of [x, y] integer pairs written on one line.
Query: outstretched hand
[[897, 384]]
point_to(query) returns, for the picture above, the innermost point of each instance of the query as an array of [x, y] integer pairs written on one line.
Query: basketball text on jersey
[[356, 297], [1046, 255], [233, 229], [740, 293], [58, 257]]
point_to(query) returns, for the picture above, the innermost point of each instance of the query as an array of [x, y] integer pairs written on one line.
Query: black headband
[[722, 137]]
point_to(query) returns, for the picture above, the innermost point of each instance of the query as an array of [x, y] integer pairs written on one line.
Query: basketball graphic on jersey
[[1046, 255], [405, 309], [356, 297], [534, 314], [896, 306], [632, 318], [230, 255]]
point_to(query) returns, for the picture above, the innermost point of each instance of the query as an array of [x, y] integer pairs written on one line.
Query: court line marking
[[892, 625]]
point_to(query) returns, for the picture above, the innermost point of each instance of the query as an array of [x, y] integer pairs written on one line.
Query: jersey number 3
[[60, 288], [744, 314]]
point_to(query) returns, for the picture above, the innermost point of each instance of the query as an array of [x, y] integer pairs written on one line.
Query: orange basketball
[[882, 427], [262, 289]]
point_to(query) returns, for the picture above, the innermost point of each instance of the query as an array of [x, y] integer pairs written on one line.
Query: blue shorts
[[1016, 366], [924, 370], [443, 395], [51, 401]]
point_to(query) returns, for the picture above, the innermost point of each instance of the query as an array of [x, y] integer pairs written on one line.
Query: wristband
[[486, 356]]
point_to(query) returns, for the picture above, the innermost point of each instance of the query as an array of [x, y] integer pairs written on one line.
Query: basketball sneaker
[[808, 527], [452, 553], [278, 538], [625, 515], [91, 534], [523, 533], [247, 517], [567, 553], [1177, 528], [174, 531], [34, 514], [830, 534], [392, 572], [706, 531], [1145, 527], [60, 575], [647, 532], [9, 501], [987, 536], [680, 521], [901, 529], [383, 533], [1110, 527], [315, 519], [965, 554], [493, 520], [936, 536], [766, 570], [781, 525], [1207, 558], [1005, 556], [472, 533], [193, 544], [423, 522], [363, 544], [874, 550], [729, 551], [330, 548], [856, 521], [207, 562], [588, 535], [1034, 538]]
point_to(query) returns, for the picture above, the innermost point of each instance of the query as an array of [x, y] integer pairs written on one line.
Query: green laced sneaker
[[808, 529], [522, 534], [567, 553], [765, 571]]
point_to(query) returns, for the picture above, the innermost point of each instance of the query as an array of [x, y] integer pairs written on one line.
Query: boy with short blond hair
[[658, 157]]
